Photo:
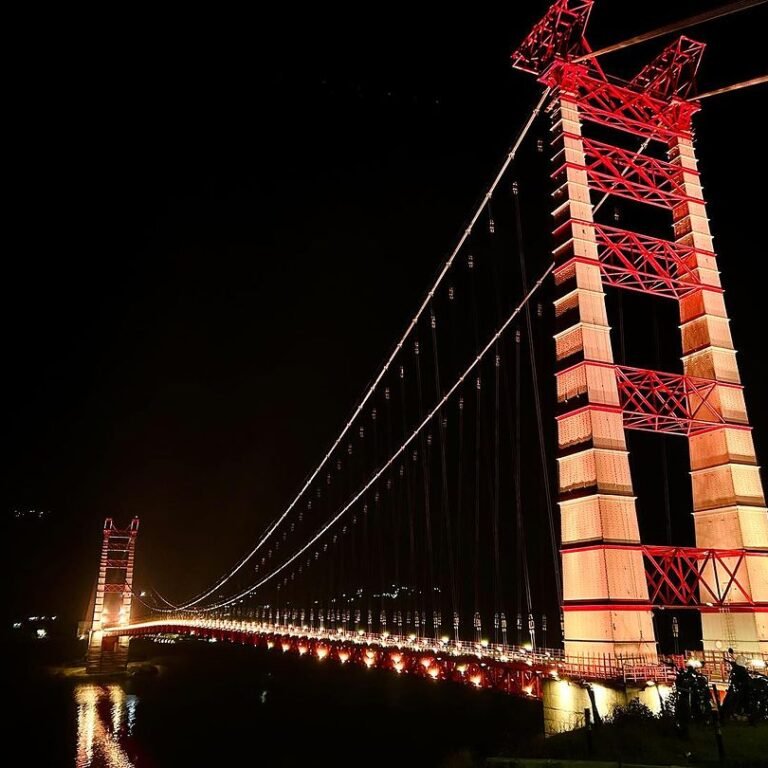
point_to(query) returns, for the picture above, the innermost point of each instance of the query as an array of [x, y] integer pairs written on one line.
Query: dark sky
[[218, 225]]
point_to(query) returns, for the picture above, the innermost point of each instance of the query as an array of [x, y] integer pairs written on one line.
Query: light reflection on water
[[106, 715]]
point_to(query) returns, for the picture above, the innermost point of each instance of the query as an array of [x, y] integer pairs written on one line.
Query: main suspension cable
[[735, 87], [677, 26], [388, 363]]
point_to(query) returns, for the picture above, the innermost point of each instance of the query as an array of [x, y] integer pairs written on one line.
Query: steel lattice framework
[[688, 577], [614, 105], [624, 173], [611, 579], [560, 32], [642, 263], [655, 401], [672, 73], [646, 264]]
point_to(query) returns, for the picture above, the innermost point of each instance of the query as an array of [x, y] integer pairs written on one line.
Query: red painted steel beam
[[627, 174], [622, 107], [560, 34], [656, 401], [692, 577], [116, 588], [642, 263], [672, 74]]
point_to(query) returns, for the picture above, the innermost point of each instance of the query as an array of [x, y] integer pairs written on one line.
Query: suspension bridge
[[426, 540]]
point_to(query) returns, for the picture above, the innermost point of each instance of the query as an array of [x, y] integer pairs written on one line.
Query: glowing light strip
[[396, 454], [428, 299]]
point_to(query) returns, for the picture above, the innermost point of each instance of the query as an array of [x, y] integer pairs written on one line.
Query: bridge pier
[[565, 700]]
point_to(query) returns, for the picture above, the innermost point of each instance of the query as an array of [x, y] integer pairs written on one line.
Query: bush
[[633, 713]]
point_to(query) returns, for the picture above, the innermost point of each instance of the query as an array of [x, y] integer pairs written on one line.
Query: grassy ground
[[656, 743]]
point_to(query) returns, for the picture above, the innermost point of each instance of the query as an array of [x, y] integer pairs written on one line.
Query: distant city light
[[20, 514], [41, 634], [17, 625]]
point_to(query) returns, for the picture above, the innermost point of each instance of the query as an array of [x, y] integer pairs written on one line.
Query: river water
[[225, 705]]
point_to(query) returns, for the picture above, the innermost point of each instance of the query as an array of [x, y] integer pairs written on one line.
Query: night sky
[[218, 226]]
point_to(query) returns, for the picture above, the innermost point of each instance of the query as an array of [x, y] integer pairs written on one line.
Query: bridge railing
[[544, 662]]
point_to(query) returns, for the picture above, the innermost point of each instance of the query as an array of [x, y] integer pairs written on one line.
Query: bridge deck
[[511, 669]]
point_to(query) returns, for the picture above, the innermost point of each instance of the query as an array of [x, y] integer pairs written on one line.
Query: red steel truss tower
[[610, 579], [112, 603]]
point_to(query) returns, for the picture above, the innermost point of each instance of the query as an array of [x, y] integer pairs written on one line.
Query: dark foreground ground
[[658, 744]]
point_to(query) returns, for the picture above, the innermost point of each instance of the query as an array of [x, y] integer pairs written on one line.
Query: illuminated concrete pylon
[[606, 599], [728, 501], [606, 606], [114, 593]]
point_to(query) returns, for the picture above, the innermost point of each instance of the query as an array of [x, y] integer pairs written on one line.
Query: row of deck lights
[[445, 644]]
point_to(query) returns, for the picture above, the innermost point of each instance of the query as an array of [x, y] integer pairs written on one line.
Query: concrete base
[[565, 701], [106, 654]]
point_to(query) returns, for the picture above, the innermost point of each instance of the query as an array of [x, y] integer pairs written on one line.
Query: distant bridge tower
[[112, 603], [606, 569]]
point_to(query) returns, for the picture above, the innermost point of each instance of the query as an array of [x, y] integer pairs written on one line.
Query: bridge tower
[[114, 593], [606, 569]]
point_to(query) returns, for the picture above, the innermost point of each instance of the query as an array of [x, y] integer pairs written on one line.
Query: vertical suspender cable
[[478, 403], [396, 501], [496, 492], [537, 400], [519, 548], [409, 512], [430, 565], [459, 509], [446, 510], [522, 550]]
